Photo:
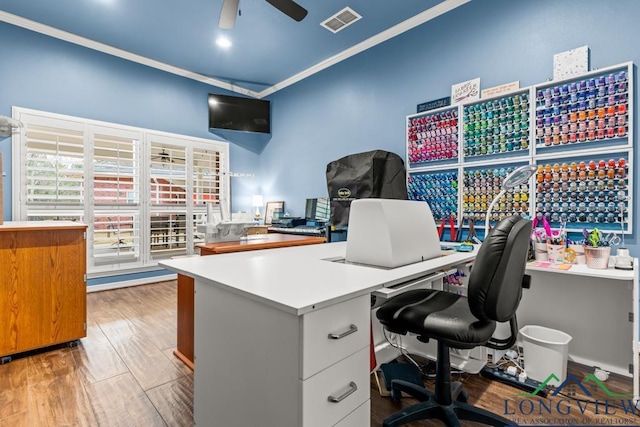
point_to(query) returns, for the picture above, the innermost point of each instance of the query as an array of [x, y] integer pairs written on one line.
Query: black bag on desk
[[374, 174]]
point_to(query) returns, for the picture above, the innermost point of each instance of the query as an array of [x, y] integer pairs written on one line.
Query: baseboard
[[602, 365], [128, 283]]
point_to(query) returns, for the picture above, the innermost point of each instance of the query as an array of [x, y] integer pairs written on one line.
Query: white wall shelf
[[588, 118]]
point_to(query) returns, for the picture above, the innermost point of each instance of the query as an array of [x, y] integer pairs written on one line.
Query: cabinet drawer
[[361, 417], [346, 383], [333, 333]]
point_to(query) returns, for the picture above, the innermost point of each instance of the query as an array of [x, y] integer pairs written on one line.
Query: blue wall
[[357, 105], [44, 73], [361, 104]]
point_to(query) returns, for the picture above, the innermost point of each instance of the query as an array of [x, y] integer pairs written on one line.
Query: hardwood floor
[[125, 374], [560, 410], [122, 374]]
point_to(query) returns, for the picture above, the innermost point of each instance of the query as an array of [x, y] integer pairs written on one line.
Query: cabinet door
[[42, 288]]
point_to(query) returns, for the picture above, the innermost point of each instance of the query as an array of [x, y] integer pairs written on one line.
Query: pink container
[[597, 257]]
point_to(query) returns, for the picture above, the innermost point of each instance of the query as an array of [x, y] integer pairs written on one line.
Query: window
[[141, 192], [115, 237]]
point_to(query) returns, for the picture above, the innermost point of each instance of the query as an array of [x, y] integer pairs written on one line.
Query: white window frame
[[147, 260]]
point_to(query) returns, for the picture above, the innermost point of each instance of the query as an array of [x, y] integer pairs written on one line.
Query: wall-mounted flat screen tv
[[237, 113]]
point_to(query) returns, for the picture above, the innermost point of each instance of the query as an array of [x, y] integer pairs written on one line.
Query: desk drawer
[[333, 333], [346, 383], [361, 417]]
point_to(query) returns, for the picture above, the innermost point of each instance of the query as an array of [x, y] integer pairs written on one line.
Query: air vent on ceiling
[[341, 20]]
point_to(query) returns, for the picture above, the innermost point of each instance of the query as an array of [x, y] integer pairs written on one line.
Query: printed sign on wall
[[574, 62], [465, 91], [499, 90], [432, 105]]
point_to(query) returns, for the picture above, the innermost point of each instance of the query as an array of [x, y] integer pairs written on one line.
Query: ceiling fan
[[163, 156], [288, 7]]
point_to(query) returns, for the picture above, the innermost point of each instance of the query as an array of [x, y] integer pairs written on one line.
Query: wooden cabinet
[[42, 284], [185, 301]]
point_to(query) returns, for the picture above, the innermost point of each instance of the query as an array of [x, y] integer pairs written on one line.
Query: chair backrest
[[495, 283]]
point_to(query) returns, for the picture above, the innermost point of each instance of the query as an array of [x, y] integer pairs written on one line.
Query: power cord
[[399, 346], [396, 342]]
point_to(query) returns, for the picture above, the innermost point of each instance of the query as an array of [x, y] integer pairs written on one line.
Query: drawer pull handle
[[352, 329], [352, 389]]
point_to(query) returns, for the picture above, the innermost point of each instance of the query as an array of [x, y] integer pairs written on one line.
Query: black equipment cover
[[374, 174]]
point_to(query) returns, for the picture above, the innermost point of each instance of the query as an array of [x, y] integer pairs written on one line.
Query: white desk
[[594, 307], [263, 354], [262, 350]]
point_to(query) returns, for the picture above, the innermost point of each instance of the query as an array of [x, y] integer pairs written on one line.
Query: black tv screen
[[237, 113]]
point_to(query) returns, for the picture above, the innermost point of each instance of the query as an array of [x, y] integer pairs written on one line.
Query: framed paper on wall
[[273, 210]]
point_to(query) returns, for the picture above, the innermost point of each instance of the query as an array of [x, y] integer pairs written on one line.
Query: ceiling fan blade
[[228, 14], [289, 8]]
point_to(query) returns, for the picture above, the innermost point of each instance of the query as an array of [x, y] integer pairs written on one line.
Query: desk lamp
[[256, 203], [517, 177], [623, 259]]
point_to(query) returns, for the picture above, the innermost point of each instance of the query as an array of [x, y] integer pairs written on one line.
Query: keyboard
[[306, 230]]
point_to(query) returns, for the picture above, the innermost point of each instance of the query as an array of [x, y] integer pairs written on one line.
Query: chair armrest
[[505, 343]]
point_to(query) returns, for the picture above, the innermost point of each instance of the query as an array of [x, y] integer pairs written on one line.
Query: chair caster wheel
[[463, 397]]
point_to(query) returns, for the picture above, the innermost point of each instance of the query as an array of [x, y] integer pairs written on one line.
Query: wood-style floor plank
[[159, 328], [96, 358], [17, 420], [114, 324], [174, 401], [13, 389], [57, 396], [146, 362], [119, 401], [177, 362]]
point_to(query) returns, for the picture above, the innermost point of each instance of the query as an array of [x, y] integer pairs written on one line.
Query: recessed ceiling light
[[223, 42]]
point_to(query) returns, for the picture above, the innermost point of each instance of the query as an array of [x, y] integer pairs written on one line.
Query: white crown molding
[[101, 47], [419, 19]]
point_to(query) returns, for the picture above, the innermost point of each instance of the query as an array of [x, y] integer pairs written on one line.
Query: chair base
[[447, 404], [449, 414]]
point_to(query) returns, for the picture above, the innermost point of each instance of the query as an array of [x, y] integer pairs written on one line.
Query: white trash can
[[545, 353]]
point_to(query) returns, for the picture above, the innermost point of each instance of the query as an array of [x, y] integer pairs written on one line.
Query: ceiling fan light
[[223, 42]]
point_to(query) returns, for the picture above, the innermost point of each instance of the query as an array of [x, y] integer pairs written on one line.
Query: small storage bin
[[540, 251], [597, 257], [555, 253]]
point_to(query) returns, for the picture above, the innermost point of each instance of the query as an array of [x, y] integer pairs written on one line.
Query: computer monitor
[[317, 210]]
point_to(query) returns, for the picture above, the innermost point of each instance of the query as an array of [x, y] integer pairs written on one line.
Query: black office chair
[[495, 289]]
